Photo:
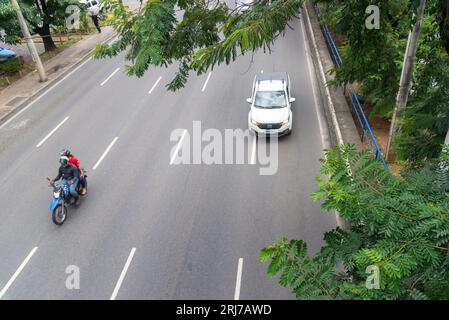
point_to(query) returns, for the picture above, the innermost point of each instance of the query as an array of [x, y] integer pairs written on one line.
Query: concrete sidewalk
[[28, 88]]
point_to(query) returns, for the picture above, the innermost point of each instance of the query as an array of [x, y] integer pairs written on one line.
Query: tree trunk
[[44, 32], [443, 18], [443, 167], [30, 44], [406, 78]]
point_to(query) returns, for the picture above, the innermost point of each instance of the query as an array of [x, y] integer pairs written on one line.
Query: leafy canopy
[[195, 34], [374, 60], [9, 23], [37, 14], [398, 224]]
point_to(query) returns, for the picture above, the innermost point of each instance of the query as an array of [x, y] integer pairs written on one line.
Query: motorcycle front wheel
[[59, 215]]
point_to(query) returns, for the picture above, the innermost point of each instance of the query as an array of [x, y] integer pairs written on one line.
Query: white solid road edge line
[[154, 85], [105, 153], [238, 281], [207, 80], [51, 132], [340, 222], [323, 75], [112, 74], [122, 275], [177, 147], [308, 54], [16, 274]]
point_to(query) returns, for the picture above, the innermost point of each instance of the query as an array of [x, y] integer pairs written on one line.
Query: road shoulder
[[340, 123]]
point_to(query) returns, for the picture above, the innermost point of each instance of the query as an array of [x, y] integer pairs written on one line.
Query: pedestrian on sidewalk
[[95, 20], [94, 9]]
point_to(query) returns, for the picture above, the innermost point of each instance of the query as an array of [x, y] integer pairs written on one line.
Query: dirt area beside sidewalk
[[381, 129], [379, 125]]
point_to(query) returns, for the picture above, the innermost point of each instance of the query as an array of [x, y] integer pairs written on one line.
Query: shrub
[[10, 67], [399, 229]]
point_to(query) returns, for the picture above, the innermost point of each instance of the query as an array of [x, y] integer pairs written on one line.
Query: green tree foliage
[[39, 15], [398, 224], [8, 20], [204, 34], [374, 58]]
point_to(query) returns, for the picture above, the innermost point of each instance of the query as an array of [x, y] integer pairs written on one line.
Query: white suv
[[92, 6], [243, 5], [271, 112]]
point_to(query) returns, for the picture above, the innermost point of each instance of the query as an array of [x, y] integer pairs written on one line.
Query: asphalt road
[[190, 225]]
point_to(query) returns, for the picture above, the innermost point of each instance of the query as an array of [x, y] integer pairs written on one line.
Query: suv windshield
[[270, 99]]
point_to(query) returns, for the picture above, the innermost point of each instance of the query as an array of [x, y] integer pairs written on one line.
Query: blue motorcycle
[[61, 200]]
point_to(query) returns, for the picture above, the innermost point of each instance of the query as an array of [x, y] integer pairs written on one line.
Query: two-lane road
[[148, 229]]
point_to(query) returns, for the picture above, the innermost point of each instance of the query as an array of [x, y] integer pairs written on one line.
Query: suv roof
[[273, 76], [271, 81], [268, 85]]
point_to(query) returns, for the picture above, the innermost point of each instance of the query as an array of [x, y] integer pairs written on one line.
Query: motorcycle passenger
[[70, 176], [74, 161]]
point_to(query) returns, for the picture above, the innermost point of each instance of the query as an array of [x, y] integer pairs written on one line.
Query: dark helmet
[[65, 153], [64, 161]]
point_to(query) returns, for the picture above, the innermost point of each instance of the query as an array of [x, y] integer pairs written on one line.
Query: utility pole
[[30, 43], [406, 77], [443, 166], [447, 138]]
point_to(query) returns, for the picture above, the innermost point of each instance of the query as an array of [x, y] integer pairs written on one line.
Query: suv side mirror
[[249, 100], [292, 100]]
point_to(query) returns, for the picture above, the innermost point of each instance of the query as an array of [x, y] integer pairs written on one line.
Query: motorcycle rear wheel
[[59, 215]]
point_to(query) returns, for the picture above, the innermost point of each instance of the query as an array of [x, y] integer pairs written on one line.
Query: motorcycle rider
[[70, 175], [74, 161]]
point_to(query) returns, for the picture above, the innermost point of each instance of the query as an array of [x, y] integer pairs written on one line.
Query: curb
[[49, 83]]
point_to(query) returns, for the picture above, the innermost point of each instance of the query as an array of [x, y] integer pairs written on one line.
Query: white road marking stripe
[[238, 281], [112, 74], [38, 98], [207, 80], [16, 274], [105, 153], [177, 147], [52, 131], [253, 152], [122, 275], [154, 85]]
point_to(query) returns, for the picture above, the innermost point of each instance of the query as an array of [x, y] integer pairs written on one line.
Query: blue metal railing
[[367, 131]]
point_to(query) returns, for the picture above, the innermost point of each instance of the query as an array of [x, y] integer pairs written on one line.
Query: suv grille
[[268, 126]]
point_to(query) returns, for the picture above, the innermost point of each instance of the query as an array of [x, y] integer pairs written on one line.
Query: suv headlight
[[286, 121], [254, 122]]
